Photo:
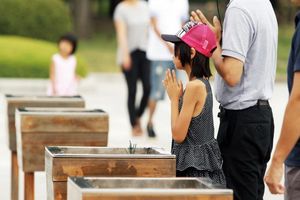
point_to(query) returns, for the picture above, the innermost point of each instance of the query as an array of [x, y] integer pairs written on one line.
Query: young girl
[[194, 145], [63, 77]]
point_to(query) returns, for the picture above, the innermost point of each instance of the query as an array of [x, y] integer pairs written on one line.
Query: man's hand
[[198, 16], [273, 178]]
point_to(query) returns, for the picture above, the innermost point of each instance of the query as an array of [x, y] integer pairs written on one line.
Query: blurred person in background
[[64, 81], [132, 21], [167, 17]]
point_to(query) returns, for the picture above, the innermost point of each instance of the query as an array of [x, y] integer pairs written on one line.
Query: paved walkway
[[108, 92]]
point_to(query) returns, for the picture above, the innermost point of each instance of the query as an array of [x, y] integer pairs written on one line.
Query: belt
[[263, 103], [259, 103]]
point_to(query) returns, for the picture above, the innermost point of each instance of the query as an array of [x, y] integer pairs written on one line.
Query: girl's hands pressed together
[[173, 87]]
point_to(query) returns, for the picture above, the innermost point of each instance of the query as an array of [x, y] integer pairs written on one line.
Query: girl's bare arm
[[195, 94], [121, 31]]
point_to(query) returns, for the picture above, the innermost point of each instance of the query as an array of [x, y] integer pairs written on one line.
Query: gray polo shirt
[[137, 21], [250, 34]]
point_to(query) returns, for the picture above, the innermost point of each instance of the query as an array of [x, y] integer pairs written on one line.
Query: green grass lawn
[[99, 51], [26, 57], [284, 45]]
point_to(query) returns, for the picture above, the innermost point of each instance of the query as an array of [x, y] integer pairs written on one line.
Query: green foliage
[[284, 45], [100, 51], [25, 57], [41, 19]]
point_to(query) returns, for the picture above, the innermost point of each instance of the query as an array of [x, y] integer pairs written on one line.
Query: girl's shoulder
[[195, 89], [72, 57], [196, 85], [56, 57]]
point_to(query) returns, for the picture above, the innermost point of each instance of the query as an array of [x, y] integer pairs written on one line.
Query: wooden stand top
[[146, 186], [42, 97], [106, 152], [17, 101], [59, 111], [57, 120]]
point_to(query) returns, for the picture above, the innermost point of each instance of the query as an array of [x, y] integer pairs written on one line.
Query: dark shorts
[[246, 139], [292, 183]]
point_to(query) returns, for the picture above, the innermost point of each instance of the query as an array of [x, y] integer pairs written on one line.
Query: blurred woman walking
[[132, 20]]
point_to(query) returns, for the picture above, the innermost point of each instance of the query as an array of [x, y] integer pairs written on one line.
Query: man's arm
[[290, 130], [229, 68], [290, 134], [121, 31]]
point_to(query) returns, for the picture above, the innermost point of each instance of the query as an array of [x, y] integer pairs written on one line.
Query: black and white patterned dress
[[199, 155]]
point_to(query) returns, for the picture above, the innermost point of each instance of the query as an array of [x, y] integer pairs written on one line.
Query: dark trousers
[[246, 141], [140, 70]]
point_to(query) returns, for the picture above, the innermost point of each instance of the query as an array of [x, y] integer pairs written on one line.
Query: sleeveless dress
[[199, 155], [65, 76]]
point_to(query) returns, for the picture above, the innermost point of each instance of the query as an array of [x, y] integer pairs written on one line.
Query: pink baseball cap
[[195, 35]]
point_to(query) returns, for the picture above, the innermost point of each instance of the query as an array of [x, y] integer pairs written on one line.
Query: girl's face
[[177, 62], [65, 47]]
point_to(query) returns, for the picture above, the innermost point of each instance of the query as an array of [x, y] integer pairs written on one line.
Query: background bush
[[44, 19], [30, 58]]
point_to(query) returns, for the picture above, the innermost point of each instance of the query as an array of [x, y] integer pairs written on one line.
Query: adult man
[[246, 66], [288, 147], [167, 16]]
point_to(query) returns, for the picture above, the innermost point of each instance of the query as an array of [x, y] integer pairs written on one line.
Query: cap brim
[[170, 38]]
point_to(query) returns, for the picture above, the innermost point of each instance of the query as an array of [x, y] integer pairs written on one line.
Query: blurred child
[[64, 81], [196, 149]]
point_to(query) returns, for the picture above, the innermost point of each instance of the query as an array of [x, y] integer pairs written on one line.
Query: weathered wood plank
[[60, 191], [13, 102], [62, 168], [42, 101], [31, 146], [64, 122], [144, 189], [152, 197], [29, 186], [14, 176]]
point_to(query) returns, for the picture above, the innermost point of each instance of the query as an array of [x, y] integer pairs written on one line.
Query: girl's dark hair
[[70, 38], [199, 64]]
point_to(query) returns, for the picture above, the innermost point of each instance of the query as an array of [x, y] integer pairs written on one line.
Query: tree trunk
[[81, 11]]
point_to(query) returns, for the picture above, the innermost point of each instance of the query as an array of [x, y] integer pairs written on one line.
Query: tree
[[81, 10]]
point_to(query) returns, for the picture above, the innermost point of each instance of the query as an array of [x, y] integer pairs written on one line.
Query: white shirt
[[137, 20], [65, 76], [170, 16]]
